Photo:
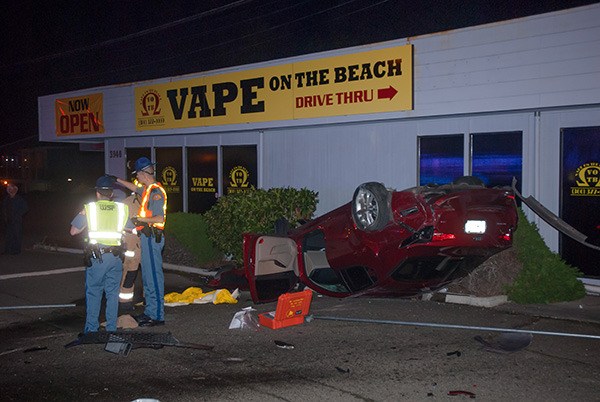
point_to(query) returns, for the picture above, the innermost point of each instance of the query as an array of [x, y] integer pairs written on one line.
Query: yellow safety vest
[[106, 221]]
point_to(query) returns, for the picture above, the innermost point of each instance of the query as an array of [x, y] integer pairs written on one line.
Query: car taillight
[[506, 236], [442, 236]]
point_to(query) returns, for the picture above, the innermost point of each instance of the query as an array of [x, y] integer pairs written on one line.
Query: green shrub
[[191, 231], [256, 211], [545, 277]]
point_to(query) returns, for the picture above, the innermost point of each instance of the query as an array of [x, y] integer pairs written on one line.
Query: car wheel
[[469, 180], [371, 206]]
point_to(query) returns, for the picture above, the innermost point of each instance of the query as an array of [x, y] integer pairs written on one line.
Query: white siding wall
[[334, 159], [541, 61]]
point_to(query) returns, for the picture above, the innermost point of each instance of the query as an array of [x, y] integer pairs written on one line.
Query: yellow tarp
[[197, 296]]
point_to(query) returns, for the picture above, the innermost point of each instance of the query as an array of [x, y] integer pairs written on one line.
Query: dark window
[[169, 172], [240, 171], [441, 159], [497, 157], [203, 179], [580, 195]]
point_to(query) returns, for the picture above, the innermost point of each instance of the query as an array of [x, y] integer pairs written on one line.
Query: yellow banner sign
[[369, 82], [79, 115]]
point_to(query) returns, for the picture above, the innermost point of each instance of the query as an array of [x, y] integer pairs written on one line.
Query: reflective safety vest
[[144, 212], [106, 221]]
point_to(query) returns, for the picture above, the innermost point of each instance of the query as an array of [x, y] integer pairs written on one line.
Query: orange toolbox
[[291, 310]]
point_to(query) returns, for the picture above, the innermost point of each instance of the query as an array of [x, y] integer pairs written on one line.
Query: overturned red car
[[386, 242]]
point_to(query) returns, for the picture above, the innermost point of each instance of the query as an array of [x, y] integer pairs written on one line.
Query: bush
[[256, 211], [191, 231], [545, 277]]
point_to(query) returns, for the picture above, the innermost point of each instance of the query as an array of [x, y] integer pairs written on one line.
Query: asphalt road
[[330, 360]]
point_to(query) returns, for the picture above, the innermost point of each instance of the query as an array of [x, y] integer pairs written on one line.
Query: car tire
[[371, 206], [469, 180]]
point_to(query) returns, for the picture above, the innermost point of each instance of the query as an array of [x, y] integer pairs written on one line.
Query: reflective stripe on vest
[[102, 217], [144, 212]]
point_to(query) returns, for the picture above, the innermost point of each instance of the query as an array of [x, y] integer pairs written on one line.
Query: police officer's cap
[[141, 164], [105, 183]]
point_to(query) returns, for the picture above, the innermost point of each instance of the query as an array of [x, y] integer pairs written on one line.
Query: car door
[[271, 264]]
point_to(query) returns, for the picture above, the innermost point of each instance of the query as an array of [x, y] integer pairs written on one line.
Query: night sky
[[58, 46]]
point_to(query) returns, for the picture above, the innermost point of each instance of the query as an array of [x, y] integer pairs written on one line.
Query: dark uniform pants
[[153, 276], [102, 277]]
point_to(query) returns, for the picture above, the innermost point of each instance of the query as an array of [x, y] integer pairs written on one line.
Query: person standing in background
[[13, 208]]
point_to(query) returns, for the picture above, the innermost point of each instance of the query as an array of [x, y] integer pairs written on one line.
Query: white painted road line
[[38, 306], [42, 273], [167, 266]]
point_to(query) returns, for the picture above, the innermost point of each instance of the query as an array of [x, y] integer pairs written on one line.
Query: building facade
[[517, 98]]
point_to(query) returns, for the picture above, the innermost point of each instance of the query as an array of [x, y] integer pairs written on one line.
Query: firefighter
[[132, 257], [149, 223], [105, 221]]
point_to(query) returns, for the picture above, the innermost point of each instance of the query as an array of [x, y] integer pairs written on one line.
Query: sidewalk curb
[[470, 300], [592, 286], [191, 270], [491, 301]]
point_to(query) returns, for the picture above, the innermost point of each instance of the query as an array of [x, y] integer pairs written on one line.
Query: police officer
[[150, 223], [105, 221]]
